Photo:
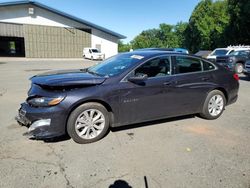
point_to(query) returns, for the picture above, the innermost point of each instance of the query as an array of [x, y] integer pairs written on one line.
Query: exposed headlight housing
[[44, 101]]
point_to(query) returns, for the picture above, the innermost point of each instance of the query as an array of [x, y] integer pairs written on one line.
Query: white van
[[93, 54]]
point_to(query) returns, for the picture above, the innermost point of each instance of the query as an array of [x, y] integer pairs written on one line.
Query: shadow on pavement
[[120, 184], [57, 139], [133, 126], [126, 127]]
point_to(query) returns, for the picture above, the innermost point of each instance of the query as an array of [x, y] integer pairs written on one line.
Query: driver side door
[[149, 99]]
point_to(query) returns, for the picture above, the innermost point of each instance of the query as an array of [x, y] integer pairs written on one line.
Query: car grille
[[248, 67]]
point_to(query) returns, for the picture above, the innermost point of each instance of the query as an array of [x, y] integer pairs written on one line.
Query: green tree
[[166, 36], [123, 47], [147, 39], [238, 30], [179, 30], [207, 25]]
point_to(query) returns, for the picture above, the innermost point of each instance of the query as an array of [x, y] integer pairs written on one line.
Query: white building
[[31, 29]]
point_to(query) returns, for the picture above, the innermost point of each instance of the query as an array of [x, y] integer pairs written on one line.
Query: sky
[[128, 17]]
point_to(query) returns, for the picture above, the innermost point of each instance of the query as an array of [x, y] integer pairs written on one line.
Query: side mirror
[[138, 79]]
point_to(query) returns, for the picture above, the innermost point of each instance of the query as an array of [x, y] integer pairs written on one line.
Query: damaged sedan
[[125, 89]]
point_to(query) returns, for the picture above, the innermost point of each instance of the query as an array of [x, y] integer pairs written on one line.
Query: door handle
[[170, 83], [205, 79], [167, 83]]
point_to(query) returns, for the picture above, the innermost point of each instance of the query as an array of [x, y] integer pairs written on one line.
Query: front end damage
[[50, 97], [40, 123]]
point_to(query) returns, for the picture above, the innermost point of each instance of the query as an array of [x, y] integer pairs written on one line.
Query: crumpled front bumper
[[42, 123]]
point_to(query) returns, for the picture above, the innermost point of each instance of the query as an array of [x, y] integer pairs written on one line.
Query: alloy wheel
[[90, 123], [215, 105]]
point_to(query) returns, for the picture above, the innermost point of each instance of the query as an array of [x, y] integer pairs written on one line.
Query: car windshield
[[115, 65], [95, 50], [219, 52]]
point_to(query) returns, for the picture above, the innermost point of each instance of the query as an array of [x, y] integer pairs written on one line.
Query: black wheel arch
[[223, 90], [240, 62]]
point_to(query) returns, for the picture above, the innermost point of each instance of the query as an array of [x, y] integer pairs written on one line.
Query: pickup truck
[[235, 61]]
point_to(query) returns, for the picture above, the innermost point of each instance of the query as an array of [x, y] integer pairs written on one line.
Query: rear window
[[208, 66], [187, 65]]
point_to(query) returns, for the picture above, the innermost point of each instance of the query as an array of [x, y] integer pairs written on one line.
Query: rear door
[[192, 81]]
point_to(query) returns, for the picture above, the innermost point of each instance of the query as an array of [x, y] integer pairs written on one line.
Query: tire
[[81, 125], [92, 58], [239, 68], [214, 105]]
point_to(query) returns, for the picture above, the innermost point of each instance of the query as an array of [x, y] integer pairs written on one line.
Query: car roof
[[222, 49], [151, 53]]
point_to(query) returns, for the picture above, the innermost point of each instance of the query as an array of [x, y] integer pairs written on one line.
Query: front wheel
[[88, 123], [214, 105]]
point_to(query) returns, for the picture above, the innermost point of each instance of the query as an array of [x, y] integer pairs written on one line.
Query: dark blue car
[[128, 88]]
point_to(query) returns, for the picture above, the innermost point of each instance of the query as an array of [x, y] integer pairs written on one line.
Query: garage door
[[12, 47]]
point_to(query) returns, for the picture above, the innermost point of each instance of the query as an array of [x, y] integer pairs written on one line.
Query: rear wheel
[[214, 105], [239, 68], [88, 123]]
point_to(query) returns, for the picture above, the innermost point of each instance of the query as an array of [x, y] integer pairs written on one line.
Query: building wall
[[108, 43], [55, 42], [11, 30], [41, 19], [19, 14]]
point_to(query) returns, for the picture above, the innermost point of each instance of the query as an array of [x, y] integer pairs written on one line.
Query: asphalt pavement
[[172, 153]]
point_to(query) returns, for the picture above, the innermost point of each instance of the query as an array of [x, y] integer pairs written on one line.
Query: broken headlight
[[44, 101]]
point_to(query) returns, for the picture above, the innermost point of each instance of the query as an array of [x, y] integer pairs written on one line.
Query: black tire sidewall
[[73, 116], [205, 113]]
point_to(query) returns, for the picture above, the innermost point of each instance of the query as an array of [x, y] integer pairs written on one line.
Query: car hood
[[64, 78]]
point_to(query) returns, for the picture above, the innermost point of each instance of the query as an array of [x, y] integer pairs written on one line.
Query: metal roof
[[63, 14]]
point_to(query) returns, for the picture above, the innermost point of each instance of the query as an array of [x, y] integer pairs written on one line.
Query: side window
[[155, 68], [207, 66], [187, 65], [244, 53]]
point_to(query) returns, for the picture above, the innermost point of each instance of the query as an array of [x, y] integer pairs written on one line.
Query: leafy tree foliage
[[148, 38], [207, 25], [123, 47], [165, 36], [213, 24], [238, 30]]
